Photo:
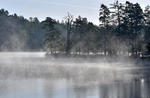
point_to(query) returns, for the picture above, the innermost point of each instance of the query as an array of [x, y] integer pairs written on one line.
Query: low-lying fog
[[36, 65], [32, 75]]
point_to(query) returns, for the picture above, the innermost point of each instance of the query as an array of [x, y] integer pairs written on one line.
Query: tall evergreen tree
[[147, 24], [53, 39], [104, 17], [133, 22]]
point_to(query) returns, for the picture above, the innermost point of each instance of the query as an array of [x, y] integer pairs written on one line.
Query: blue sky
[[58, 8]]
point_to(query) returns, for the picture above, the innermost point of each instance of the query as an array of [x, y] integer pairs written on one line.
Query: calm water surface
[[30, 75]]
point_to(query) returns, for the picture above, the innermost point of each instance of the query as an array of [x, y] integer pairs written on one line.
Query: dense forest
[[18, 33], [124, 29]]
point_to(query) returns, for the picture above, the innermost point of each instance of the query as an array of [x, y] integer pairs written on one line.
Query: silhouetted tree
[[53, 39], [69, 20], [104, 17], [134, 21], [147, 24]]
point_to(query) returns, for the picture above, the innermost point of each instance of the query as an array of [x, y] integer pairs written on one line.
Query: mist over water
[[32, 75]]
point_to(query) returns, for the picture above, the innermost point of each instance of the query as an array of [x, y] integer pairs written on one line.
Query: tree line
[[20, 34], [124, 29]]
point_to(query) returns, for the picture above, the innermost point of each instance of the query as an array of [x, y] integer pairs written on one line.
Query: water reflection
[[43, 88]]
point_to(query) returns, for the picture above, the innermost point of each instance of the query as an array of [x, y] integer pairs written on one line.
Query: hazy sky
[[58, 8]]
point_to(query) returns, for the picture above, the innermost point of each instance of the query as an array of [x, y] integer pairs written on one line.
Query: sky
[[58, 9]]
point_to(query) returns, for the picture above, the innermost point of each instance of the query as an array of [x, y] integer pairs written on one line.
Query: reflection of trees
[[104, 91], [121, 89], [145, 89], [135, 89], [80, 92]]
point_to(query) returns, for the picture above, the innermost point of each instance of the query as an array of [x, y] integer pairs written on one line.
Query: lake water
[[31, 75]]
